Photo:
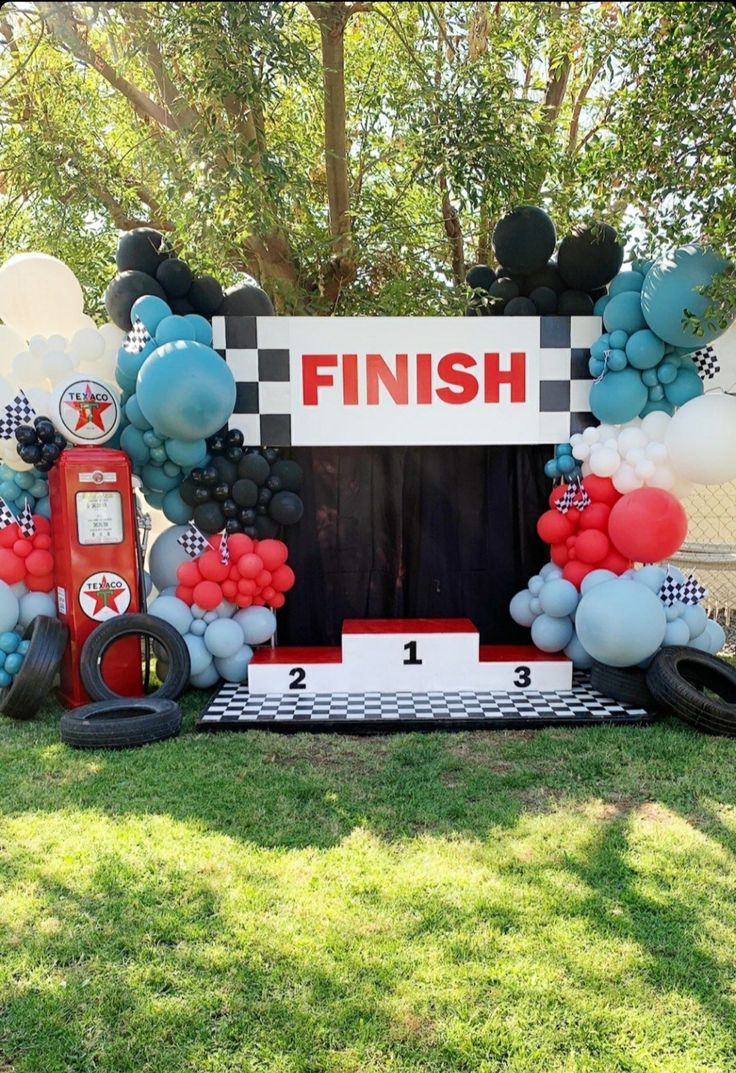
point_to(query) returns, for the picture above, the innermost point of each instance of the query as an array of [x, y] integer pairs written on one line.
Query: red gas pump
[[96, 562]]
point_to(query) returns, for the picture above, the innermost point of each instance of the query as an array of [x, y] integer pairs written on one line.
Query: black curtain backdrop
[[405, 532]]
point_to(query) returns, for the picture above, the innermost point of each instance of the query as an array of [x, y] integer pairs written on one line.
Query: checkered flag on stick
[[691, 591], [567, 499], [26, 523], [669, 590], [137, 338], [584, 500], [193, 542], [6, 515], [706, 362], [18, 412], [224, 549]]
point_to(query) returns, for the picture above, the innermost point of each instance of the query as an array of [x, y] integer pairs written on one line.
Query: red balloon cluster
[[580, 539], [27, 559], [256, 575]]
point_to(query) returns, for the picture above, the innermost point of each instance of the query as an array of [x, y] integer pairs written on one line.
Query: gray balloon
[[165, 556]]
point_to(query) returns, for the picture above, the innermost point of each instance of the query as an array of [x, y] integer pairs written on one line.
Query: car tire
[[627, 685], [123, 723], [94, 648], [678, 678], [33, 683]]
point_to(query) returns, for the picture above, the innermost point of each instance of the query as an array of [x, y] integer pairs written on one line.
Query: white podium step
[[388, 656]]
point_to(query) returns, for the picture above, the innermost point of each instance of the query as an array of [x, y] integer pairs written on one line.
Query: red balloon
[[268, 593], [207, 595], [183, 592], [615, 562], [278, 601], [250, 565], [22, 548], [229, 589], [247, 587], [239, 544], [554, 527], [592, 546], [188, 574], [648, 525], [44, 583], [600, 490], [12, 569], [243, 601], [570, 542], [263, 579], [40, 562], [558, 554], [43, 525], [273, 552], [576, 571], [595, 516], [42, 540], [9, 535], [283, 579], [211, 566], [258, 601]]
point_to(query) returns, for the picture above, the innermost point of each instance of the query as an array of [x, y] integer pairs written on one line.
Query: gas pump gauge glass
[[99, 517]]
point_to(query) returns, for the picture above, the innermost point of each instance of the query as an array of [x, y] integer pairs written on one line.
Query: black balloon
[[266, 528], [245, 492], [505, 289], [210, 476], [141, 250], [245, 300], [598, 292], [205, 294], [255, 468], [188, 492], [126, 289], [523, 240], [230, 509], [520, 307], [590, 256], [201, 494], [181, 306], [575, 304], [175, 277], [264, 496], [286, 508], [208, 517], [549, 276], [26, 434], [234, 437], [44, 430], [226, 471], [480, 276], [232, 525], [221, 492], [544, 299], [30, 453], [49, 452]]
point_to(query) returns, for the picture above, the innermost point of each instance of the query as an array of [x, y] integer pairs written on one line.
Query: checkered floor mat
[[233, 708]]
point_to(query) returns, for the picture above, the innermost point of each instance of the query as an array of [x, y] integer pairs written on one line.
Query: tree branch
[[183, 113]]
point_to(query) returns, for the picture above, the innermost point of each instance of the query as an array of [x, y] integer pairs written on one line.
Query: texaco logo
[[104, 595], [88, 411]]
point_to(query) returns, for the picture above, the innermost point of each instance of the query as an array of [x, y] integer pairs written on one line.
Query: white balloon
[[112, 335], [604, 461], [585, 468], [10, 344], [663, 477], [701, 439], [645, 469], [607, 432], [625, 479], [577, 437], [39, 295], [29, 369], [87, 345], [581, 451], [57, 364], [611, 443], [40, 400], [656, 424], [630, 438], [37, 344], [657, 451], [635, 455], [591, 434]]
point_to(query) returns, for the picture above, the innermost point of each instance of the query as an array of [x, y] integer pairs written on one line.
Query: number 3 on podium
[[523, 677]]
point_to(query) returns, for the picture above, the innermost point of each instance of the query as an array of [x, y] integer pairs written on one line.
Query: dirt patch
[[330, 753]]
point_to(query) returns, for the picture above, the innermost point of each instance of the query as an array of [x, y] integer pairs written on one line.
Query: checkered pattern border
[[564, 379], [257, 351], [234, 708]]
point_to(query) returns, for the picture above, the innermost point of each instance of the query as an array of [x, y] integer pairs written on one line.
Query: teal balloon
[[642, 265], [153, 477], [617, 360], [620, 623], [186, 390], [151, 439], [625, 281], [564, 449], [154, 499], [600, 305], [666, 372], [175, 509], [686, 385], [5, 679], [129, 364], [171, 469], [644, 349], [618, 397], [618, 339], [669, 290], [134, 415], [600, 346], [186, 453], [13, 663], [9, 641], [127, 383], [6, 473], [656, 393], [151, 310], [202, 328], [39, 489], [158, 455], [132, 442], [43, 506], [624, 312], [566, 464], [9, 490], [596, 366], [172, 328], [649, 377], [25, 480]]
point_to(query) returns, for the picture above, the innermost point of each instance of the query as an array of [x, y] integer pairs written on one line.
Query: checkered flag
[[6, 515], [224, 549], [567, 499], [691, 591], [584, 500], [18, 412], [669, 591], [706, 362], [137, 338], [26, 523], [193, 542]]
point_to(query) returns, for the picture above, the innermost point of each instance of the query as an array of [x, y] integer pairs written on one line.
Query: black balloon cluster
[[147, 266], [39, 444], [529, 282], [249, 490]]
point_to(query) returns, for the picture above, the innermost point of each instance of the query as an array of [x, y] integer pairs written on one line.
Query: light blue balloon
[[535, 584], [600, 346], [200, 658], [617, 361], [132, 442], [258, 624], [134, 415], [696, 619], [9, 608], [676, 633], [9, 641], [198, 627], [686, 385], [5, 679], [618, 340], [235, 668], [186, 390], [558, 598], [600, 305], [172, 328], [625, 281], [624, 312], [651, 576], [13, 663], [33, 604], [175, 509], [209, 677], [534, 606], [151, 310], [551, 634], [620, 622], [520, 608], [172, 610], [670, 288], [223, 638], [202, 328], [151, 439], [23, 647], [549, 571], [619, 396], [210, 616], [186, 453], [574, 651], [596, 577], [715, 636], [644, 349], [154, 478]]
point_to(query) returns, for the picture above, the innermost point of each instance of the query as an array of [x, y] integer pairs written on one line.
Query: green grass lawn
[[550, 902]]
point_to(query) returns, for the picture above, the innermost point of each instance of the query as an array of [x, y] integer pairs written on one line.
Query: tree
[[353, 157]]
